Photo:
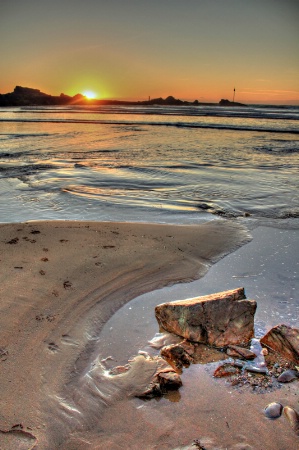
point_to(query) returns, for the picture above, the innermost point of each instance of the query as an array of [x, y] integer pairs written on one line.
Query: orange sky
[[133, 49]]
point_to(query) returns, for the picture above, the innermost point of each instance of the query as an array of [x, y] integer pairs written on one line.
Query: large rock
[[218, 319], [283, 340]]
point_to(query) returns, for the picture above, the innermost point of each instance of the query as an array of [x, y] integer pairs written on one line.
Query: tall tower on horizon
[[234, 95]]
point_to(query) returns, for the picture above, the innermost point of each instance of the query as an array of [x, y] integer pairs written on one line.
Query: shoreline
[[62, 281]]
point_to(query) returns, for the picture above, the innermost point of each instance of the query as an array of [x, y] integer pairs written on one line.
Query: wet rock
[[283, 340], [169, 381], [273, 410], [219, 319], [293, 418], [240, 352], [226, 370], [146, 376], [179, 354], [287, 376]]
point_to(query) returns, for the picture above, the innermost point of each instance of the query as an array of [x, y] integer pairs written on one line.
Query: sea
[[173, 164]]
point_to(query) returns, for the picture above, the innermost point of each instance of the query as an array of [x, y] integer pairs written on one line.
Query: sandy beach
[[60, 283]]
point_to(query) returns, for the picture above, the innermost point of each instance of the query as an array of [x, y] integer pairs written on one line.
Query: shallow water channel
[[205, 408]]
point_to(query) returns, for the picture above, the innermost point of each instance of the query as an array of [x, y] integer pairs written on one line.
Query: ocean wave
[[21, 135], [252, 112], [278, 150], [25, 170]]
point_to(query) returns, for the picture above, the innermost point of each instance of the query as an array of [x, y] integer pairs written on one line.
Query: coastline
[[62, 281]]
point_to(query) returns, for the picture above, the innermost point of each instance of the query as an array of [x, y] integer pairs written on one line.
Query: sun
[[89, 94]]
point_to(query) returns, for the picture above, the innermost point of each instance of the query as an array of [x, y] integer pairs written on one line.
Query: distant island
[[23, 96]]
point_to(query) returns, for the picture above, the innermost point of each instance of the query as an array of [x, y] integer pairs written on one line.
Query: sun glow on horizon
[[89, 94]]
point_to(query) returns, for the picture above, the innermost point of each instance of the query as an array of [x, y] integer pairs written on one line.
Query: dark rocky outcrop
[[23, 96], [225, 102]]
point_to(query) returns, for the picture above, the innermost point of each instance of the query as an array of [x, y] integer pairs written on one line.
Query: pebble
[[287, 376], [273, 410], [293, 418]]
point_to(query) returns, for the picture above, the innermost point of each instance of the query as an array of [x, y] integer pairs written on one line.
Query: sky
[[132, 49]]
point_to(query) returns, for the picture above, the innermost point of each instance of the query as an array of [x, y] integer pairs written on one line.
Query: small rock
[[226, 370], [292, 417], [240, 352], [169, 381], [273, 410], [287, 376], [283, 340], [179, 354]]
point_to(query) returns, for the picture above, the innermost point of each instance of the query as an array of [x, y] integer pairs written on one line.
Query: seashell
[[287, 376], [293, 418], [273, 410]]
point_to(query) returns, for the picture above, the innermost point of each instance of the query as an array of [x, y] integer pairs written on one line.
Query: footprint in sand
[[53, 347], [17, 439], [68, 340]]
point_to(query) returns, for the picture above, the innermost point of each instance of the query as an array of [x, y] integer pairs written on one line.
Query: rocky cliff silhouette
[[24, 96]]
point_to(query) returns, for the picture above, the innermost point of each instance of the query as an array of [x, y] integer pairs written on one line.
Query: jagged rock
[[240, 352], [165, 379], [283, 340], [179, 354], [170, 381], [288, 375], [219, 319]]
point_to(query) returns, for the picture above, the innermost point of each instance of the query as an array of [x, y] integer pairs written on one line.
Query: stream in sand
[[205, 408]]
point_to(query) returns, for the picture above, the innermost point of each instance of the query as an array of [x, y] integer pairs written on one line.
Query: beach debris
[[218, 320], [284, 340], [240, 352], [293, 418], [287, 376], [273, 410]]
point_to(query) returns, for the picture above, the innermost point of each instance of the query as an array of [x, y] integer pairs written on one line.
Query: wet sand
[[220, 415], [60, 283]]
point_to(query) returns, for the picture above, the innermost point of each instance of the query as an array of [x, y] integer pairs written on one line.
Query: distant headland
[[23, 96]]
